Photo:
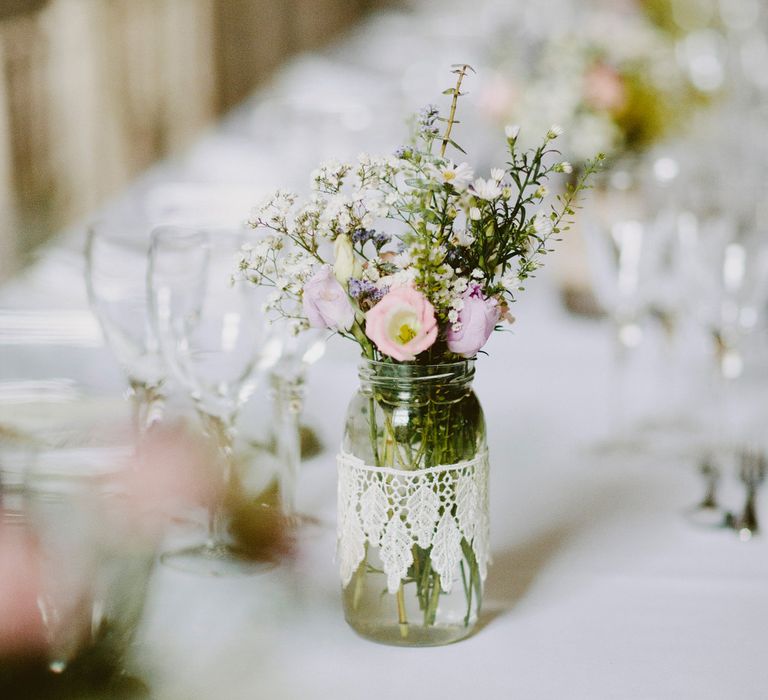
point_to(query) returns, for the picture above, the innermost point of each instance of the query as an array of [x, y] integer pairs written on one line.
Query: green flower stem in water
[[443, 439], [401, 616]]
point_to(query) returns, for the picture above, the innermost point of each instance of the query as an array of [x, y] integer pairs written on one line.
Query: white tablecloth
[[600, 587]]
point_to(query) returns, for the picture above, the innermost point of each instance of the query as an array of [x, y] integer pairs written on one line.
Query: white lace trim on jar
[[392, 510]]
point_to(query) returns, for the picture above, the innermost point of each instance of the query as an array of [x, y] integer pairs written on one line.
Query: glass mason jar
[[413, 504]]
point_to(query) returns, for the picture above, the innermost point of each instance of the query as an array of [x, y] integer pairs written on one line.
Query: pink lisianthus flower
[[402, 324], [326, 304], [477, 319]]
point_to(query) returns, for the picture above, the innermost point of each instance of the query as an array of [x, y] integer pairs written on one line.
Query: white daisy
[[457, 175], [486, 189]]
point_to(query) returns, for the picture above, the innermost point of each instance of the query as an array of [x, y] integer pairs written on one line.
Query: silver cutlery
[[752, 469], [708, 512], [711, 475]]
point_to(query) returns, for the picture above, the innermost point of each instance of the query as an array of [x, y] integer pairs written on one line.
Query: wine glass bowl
[[209, 327], [116, 274]]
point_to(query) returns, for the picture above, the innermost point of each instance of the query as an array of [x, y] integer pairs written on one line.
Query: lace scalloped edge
[[436, 508]]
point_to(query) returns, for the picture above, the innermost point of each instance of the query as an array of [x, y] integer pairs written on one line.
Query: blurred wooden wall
[[93, 91]]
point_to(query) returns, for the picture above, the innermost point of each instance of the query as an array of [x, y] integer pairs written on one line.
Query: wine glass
[[212, 336], [116, 274], [618, 239], [292, 355], [632, 239], [731, 294]]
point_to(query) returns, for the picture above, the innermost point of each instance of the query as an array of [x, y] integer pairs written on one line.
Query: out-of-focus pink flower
[[477, 319], [48, 584], [21, 626], [171, 471], [326, 304], [402, 324], [174, 471], [603, 88], [498, 96]]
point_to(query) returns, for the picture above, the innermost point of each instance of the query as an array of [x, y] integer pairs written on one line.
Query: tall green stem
[[461, 72]]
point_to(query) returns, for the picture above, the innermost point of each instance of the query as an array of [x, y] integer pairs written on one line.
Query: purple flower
[[358, 288], [427, 120], [428, 113], [326, 304], [477, 319], [362, 235], [366, 292]]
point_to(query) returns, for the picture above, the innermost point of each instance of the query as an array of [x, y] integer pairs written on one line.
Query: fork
[[752, 471], [708, 512], [711, 475]]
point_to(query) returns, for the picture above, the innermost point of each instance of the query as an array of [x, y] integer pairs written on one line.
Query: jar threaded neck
[[394, 374]]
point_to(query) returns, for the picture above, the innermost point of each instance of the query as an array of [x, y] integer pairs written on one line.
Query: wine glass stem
[[287, 404], [730, 364], [148, 403], [620, 385], [221, 431]]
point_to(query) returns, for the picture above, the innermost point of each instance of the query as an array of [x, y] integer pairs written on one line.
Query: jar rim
[[379, 370]]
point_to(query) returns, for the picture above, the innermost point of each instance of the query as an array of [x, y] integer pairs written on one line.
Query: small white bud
[[512, 131], [542, 224], [344, 263], [554, 131]]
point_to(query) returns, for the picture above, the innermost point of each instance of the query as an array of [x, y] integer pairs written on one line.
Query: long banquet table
[[600, 587]]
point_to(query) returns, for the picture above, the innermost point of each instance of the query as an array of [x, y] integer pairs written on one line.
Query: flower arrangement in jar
[[418, 259]]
